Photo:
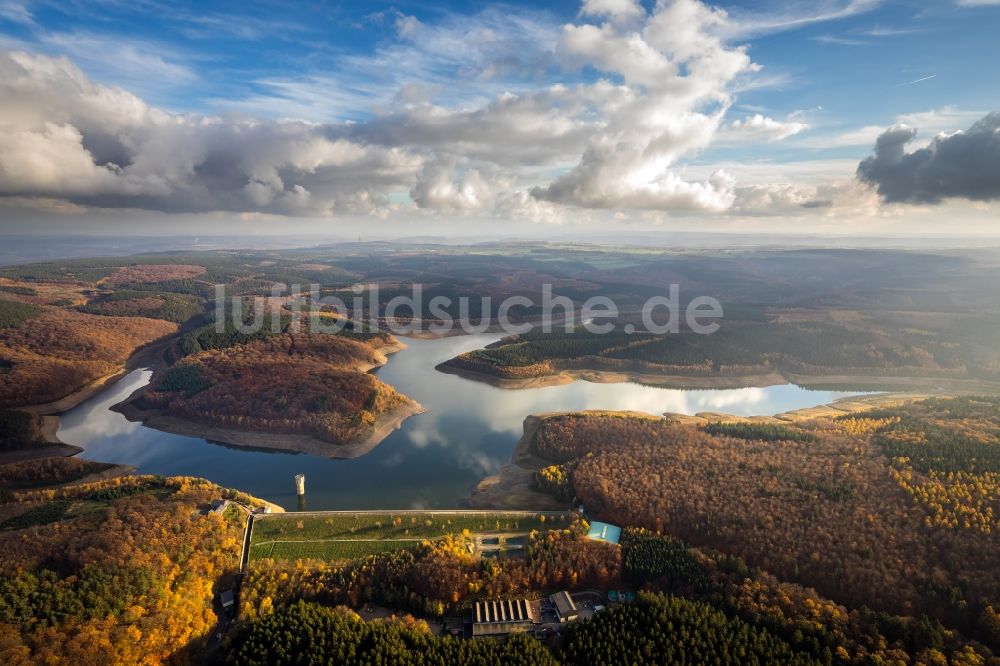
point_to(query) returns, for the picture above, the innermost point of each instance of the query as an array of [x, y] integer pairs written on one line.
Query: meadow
[[347, 536]]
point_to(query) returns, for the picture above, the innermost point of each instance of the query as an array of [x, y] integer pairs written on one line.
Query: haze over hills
[[23, 248], [604, 331]]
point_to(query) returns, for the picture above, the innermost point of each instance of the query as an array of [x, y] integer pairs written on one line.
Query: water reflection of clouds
[[137, 450], [395, 460], [468, 432], [464, 444], [424, 431], [479, 462], [741, 399], [93, 421], [452, 400], [103, 425], [503, 411]]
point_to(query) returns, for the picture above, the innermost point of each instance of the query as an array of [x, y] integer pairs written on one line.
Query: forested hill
[[121, 571], [896, 509]]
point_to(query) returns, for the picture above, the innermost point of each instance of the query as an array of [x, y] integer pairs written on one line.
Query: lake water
[[469, 431]]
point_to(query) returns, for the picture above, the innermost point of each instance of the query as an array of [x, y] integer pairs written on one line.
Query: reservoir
[[469, 431]]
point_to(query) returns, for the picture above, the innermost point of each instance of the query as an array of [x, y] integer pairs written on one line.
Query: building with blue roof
[[604, 532]]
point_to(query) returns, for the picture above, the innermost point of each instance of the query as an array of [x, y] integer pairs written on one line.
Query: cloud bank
[[502, 114], [63, 136], [962, 165], [662, 89]]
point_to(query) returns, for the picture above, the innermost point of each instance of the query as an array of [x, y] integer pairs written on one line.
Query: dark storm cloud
[[964, 165]]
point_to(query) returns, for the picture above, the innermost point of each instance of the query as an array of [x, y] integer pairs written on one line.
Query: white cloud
[[520, 205], [945, 119], [51, 159], [129, 60], [619, 10], [484, 150], [783, 16], [839, 41], [489, 53], [884, 31], [846, 198], [876, 32], [15, 11], [439, 186], [677, 78], [541, 127], [63, 136], [759, 127], [931, 123], [531, 133]]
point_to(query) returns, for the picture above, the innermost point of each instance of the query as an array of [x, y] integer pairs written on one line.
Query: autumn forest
[[862, 532]]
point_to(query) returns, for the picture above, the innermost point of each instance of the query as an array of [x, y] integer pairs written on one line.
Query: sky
[[414, 118]]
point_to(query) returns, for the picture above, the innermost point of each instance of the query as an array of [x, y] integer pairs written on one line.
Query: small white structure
[[300, 484]]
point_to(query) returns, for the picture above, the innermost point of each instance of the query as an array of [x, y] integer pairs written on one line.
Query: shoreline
[[49, 413], [384, 425], [513, 485], [47, 417], [596, 376], [99, 384], [44, 450], [303, 443], [76, 397], [151, 357], [710, 382]]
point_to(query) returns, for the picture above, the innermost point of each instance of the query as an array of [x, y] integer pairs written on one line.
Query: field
[[331, 551], [348, 536]]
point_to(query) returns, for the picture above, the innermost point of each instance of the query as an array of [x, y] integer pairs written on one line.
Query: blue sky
[[808, 89], [190, 59]]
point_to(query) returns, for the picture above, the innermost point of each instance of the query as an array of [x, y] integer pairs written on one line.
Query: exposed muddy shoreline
[[384, 424], [703, 382], [256, 439]]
